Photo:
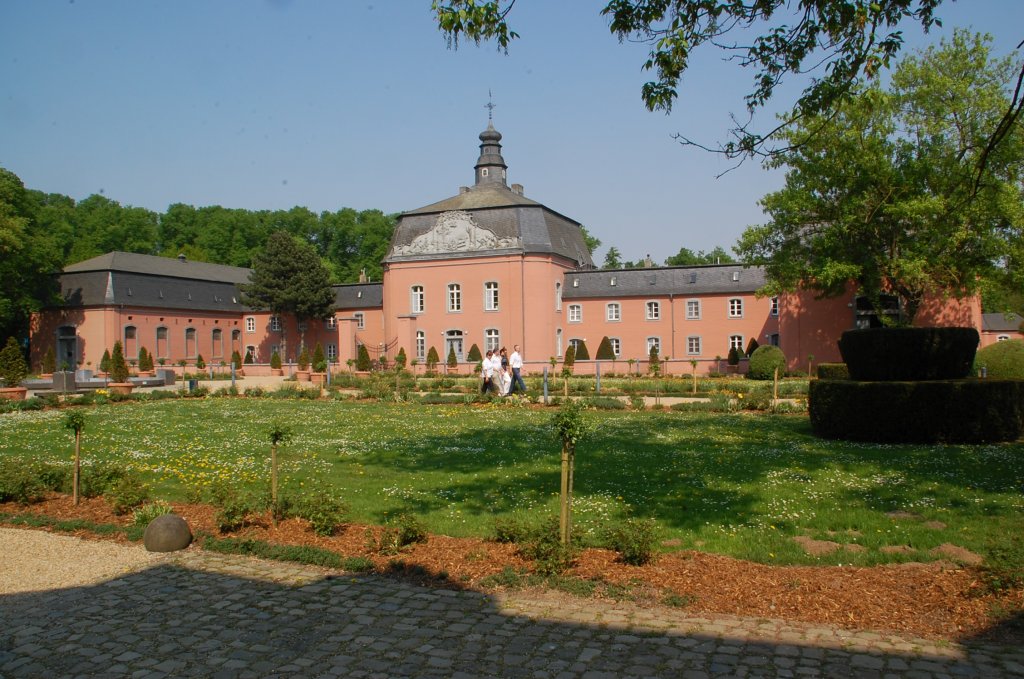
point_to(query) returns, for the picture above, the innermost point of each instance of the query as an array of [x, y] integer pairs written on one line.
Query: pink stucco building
[[487, 266]]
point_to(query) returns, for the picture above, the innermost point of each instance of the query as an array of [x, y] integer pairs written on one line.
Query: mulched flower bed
[[939, 600]]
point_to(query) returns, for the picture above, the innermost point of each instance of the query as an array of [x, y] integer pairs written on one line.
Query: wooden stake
[[563, 522], [76, 481]]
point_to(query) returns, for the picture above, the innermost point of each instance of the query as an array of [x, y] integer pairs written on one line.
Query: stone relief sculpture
[[455, 231]]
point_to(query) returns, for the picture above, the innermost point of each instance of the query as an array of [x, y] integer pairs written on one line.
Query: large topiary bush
[[764, 361], [1002, 359], [909, 353], [604, 350]]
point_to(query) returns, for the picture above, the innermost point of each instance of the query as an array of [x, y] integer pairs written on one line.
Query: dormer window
[[613, 280], [693, 278], [575, 282], [735, 275]]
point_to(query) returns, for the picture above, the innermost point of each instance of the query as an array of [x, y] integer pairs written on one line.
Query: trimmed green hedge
[[894, 354], [935, 411], [1002, 360], [833, 371]]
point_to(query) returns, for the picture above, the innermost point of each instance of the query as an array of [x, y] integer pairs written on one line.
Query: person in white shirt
[[487, 372], [496, 372], [515, 361]]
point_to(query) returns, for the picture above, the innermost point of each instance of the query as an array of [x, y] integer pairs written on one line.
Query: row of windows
[[613, 310], [275, 323], [418, 304], [330, 352], [163, 349], [693, 344]]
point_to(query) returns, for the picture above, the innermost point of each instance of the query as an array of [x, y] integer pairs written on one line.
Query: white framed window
[[275, 324], [421, 346], [1002, 338], [331, 323], [653, 311], [653, 343], [331, 352], [417, 301], [575, 313], [250, 324], [693, 345], [616, 345], [454, 297], [558, 295], [613, 312], [736, 342], [558, 341], [491, 296], [735, 308], [360, 319], [492, 339], [775, 306], [693, 309]]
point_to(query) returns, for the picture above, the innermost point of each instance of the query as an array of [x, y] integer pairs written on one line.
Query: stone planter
[[145, 374], [318, 378], [120, 387], [13, 393], [302, 375], [277, 372]]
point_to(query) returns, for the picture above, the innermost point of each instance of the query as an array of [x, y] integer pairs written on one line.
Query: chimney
[[517, 189], [181, 257], [463, 189], [362, 275]]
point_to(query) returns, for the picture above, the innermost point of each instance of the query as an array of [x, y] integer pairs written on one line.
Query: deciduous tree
[[884, 192]]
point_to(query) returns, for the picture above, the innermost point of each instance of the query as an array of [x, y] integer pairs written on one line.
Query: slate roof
[[123, 278], [656, 282], [999, 322], [359, 296], [176, 267]]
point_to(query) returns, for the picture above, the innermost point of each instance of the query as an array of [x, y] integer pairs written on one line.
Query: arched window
[[736, 342], [421, 346], [190, 343], [217, 338], [162, 346], [558, 296], [417, 302], [131, 342], [616, 346], [492, 339]]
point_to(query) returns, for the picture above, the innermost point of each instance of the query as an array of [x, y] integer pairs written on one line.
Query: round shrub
[[1002, 359], [764, 361]]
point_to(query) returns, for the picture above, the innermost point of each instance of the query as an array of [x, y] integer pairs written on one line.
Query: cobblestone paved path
[[198, 614]]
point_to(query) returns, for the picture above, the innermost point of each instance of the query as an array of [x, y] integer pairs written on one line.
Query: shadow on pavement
[[218, 616]]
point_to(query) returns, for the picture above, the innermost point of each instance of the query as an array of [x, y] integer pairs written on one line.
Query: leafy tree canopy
[[885, 192], [687, 257], [840, 42]]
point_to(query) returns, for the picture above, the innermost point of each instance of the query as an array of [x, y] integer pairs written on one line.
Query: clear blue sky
[[271, 104]]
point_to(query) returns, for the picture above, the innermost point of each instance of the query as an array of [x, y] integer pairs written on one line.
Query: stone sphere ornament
[[167, 533]]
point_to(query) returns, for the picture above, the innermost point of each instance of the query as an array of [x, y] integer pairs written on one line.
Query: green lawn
[[741, 484]]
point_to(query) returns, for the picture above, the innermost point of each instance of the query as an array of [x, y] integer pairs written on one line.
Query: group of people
[[502, 374]]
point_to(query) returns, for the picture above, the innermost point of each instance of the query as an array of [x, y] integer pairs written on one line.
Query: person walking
[[487, 372], [515, 362], [496, 372]]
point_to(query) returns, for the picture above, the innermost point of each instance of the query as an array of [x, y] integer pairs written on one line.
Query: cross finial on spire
[[489, 106]]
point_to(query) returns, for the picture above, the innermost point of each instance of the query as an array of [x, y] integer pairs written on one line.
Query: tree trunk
[[273, 483], [563, 523], [76, 480]]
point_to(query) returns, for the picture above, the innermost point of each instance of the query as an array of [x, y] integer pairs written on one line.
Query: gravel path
[[33, 561]]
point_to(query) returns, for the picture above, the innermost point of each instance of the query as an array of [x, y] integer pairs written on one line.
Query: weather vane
[[489, 106]]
